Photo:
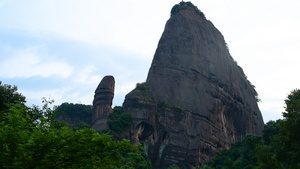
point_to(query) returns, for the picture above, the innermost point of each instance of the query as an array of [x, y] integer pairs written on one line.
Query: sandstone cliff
[[196, 99], [104, 95]]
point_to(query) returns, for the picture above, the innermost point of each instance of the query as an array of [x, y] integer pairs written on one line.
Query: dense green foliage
[[142, 86], [270, 130], [32, 138], [186, 5], [289, 136], [9, 95], [284, 150], [240, 155], [118, 120], [80, 111], [279, 147], [136, 161]]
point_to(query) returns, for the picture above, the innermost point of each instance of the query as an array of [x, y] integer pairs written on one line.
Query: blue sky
[[62, 69], [63, 48]]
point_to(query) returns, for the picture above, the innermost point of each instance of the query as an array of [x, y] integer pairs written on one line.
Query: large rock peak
[[102, 103], [192, 64], [196, 99]]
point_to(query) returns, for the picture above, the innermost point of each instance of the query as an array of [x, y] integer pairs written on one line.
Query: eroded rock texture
[[196, 99], [104, 95]]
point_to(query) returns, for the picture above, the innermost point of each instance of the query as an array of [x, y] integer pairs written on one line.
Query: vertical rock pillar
[[102, 103]]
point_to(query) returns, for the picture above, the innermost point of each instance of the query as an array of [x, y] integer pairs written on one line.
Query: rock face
[[196, 99], [104, 95]]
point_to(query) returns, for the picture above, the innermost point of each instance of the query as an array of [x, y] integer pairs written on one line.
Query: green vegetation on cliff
[[186, 5], [142, 86], [79, 111], [119, 120], [252, 86]]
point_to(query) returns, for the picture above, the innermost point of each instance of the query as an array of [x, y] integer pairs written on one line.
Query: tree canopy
[[76, 114], [287, 142], [119, 120], [32, 138], [9, 95]]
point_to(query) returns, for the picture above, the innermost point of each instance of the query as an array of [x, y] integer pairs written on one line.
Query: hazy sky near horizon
[[63, 48]]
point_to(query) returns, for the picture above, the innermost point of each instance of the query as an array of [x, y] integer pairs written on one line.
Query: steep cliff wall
[[196, 99]]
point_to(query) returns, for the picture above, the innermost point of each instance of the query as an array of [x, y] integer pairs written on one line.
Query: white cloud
[[117, 23], [28, 62], [125, 87], [87, 76], [271, 108], [73, 94], [58, 95]]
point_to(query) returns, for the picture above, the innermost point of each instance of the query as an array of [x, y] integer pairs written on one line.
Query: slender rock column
[[102, 103]]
